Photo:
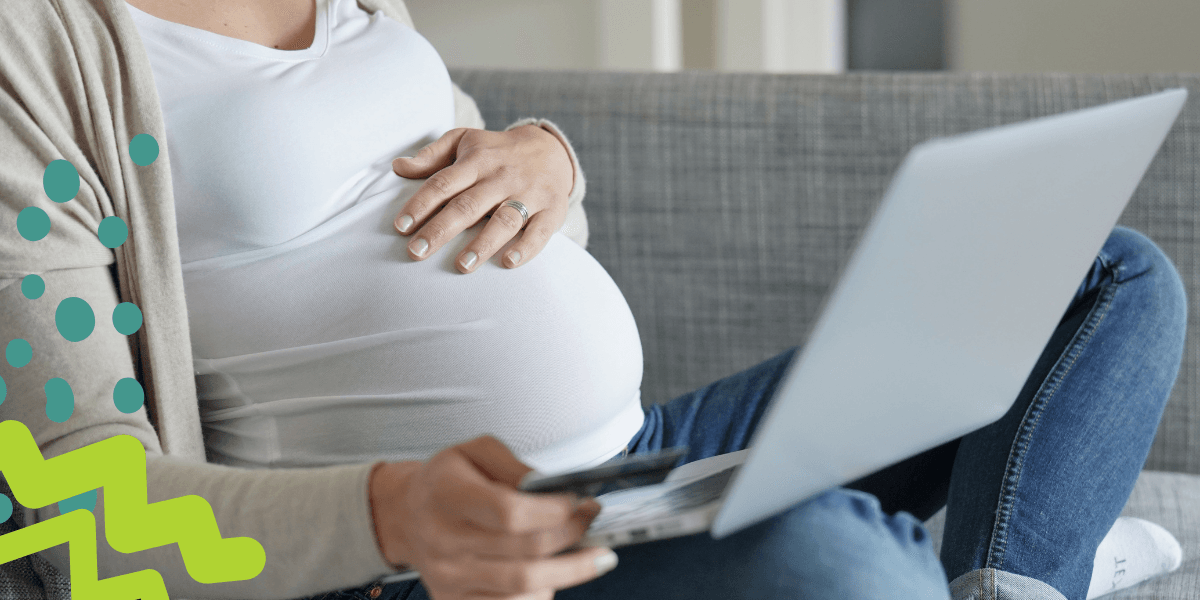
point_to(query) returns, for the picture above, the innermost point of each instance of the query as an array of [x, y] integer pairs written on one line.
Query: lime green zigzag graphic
[[117, 464]]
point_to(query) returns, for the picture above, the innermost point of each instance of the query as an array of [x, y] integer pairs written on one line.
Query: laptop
[[952, 293], [936, 321]]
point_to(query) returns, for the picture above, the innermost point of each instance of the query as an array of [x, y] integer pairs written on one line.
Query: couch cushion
[[1169, 499]]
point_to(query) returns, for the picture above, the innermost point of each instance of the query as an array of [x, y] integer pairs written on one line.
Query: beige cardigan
[[76, 84]]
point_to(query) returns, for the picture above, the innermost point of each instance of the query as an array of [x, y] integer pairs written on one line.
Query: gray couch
[[723, 204]]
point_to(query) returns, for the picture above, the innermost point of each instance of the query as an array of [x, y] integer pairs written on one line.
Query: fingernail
[[419, 246], [468, 260], [514, 257], [403, 223], [606, 562]]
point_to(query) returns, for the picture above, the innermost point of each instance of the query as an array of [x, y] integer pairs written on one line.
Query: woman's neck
[[279, 24]]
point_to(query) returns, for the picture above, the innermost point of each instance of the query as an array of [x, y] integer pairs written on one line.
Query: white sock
[[1133, 551]]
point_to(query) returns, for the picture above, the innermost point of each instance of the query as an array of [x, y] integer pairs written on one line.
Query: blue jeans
[[1028, 497]]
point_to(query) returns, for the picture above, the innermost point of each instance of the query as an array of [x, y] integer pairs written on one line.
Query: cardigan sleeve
[[78, 87], [315, 525]]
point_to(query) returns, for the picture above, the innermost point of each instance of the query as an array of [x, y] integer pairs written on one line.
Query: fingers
[[461, 212], [495, 460], [475, 482], [496, 507], [438, 155], [505, 521], [436, 191], [518, 577], [505, 224], [534, 544], [537, 234], [471, 534]]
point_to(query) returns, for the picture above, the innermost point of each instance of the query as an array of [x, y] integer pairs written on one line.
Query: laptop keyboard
[[674, 500]]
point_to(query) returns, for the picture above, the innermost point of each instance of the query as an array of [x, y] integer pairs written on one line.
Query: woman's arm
[[315, 525]]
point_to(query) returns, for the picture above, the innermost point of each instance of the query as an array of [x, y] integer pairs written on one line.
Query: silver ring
[[521, 209]]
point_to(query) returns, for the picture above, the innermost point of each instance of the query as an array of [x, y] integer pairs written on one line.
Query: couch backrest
[[724, 204]]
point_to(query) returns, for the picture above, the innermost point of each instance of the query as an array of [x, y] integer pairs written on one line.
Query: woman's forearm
[[314, 525]]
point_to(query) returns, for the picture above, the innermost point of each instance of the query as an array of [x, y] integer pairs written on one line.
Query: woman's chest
[[281, 24], [262, 142]]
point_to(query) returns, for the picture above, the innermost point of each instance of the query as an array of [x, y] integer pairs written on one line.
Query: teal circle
[[60, 400], [60, 180], [84, 501], [113, 232], [33, 223], [143, 149], [33, 286], [75, 319], [18, 353], [127, 318], [3, 390], [128, 395], [5, 508]]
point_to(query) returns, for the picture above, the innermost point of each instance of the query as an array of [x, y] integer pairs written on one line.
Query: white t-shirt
[[316, 339]]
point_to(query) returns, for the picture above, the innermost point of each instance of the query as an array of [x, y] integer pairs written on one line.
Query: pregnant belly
[[335, 347]]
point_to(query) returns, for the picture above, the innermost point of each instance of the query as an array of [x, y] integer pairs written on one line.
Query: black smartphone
[[632, 471]]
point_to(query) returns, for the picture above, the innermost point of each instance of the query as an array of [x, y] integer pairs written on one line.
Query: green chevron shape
[[78, 529], [118, 465]]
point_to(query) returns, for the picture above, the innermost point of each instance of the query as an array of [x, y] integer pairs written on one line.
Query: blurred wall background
[[1099, 36], [816, 35]]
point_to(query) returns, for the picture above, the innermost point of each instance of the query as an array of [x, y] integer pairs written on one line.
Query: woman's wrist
[[570, 163], [387, 485], [553, 130]]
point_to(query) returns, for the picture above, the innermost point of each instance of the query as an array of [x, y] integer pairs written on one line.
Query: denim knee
[[1149, 278], [840, 544], [1131, 255]]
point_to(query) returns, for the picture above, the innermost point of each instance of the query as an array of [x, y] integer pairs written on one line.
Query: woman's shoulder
[[396, 9]]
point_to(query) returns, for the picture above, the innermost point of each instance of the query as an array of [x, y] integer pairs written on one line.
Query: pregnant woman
[[382, 347]]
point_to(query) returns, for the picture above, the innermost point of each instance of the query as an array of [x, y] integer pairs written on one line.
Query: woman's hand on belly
[[472, 172], [459, 520]]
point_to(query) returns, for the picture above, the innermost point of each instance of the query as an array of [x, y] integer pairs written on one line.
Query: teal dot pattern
[[60, 180], [113, 231], [84, 501], [128, 395], [33, 286], [3, 390], [75, 319], [6, 508], [33, 223], [60, 400], [18, 353], [143, 149], [127, 318]]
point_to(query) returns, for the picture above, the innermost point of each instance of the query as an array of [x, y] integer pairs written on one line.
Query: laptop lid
[[950, 297]]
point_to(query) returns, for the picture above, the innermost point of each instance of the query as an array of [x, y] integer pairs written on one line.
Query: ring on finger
[[520, 208]]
